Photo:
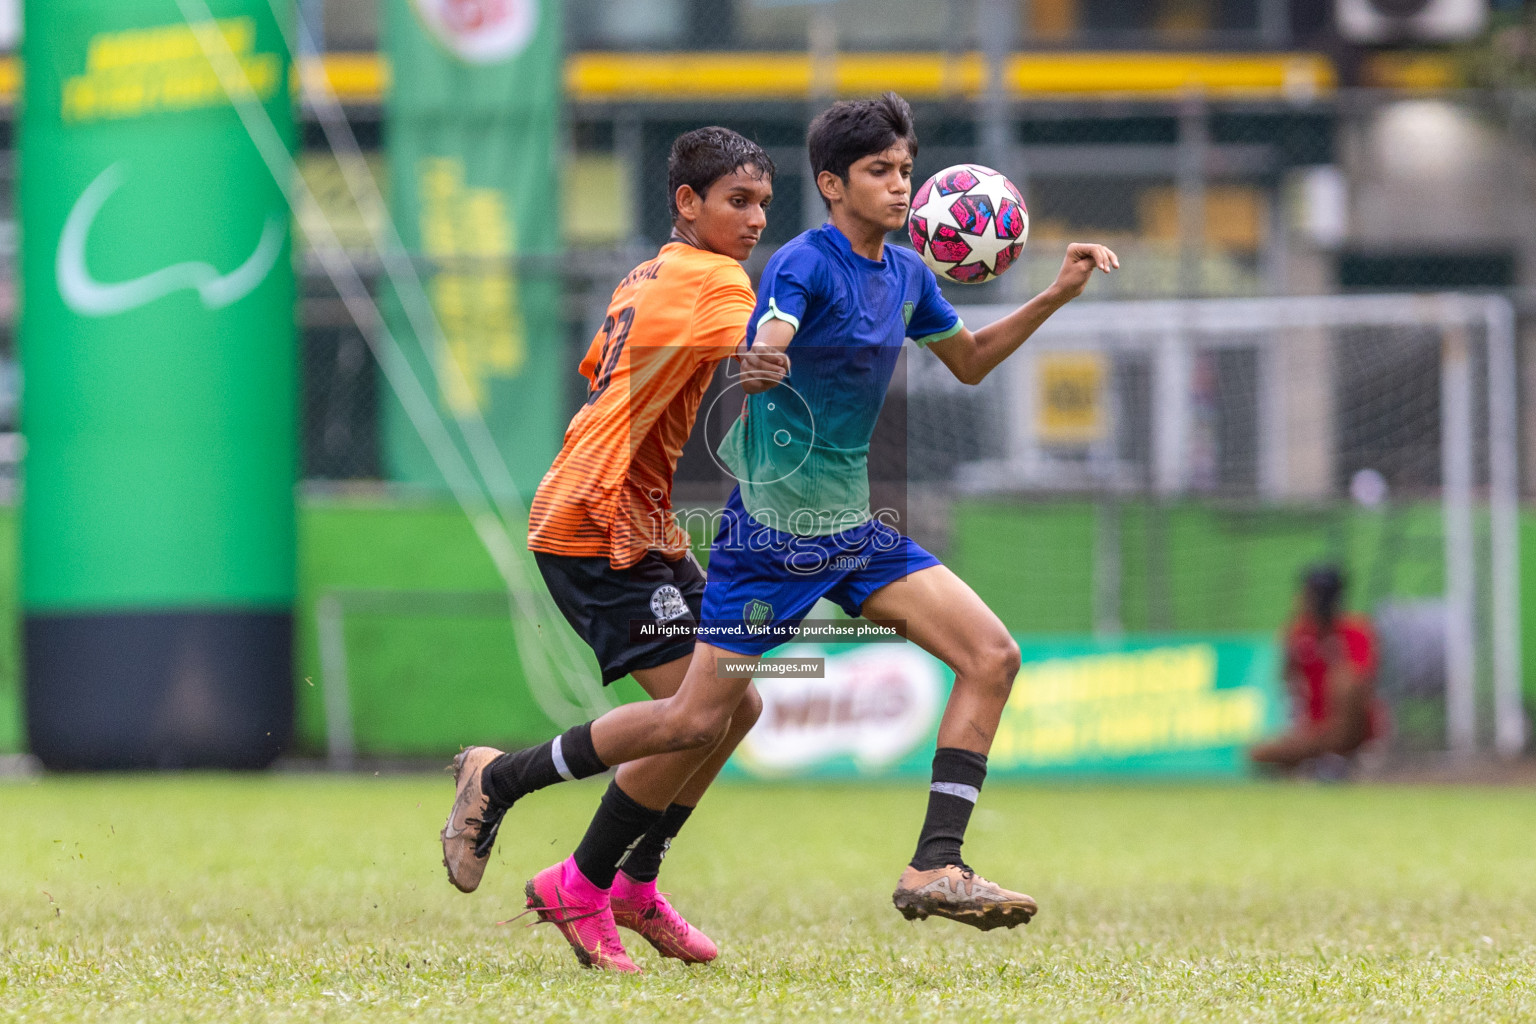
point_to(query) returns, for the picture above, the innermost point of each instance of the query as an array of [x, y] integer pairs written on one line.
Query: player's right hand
[[762, 368], [1082, 259]]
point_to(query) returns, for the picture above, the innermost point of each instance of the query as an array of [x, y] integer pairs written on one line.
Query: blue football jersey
[[801, 450]]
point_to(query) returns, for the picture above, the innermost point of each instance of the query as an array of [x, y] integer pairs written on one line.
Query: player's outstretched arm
[[971, 356], [766, 363]]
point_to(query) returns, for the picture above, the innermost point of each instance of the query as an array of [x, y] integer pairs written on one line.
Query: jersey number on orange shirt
[[615, 332]]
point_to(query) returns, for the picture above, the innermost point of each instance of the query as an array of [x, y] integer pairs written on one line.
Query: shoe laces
[[558, 907], [608, 934], [486, 827], [657, 905], [607, 931]]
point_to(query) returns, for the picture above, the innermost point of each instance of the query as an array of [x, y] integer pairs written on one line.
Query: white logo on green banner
[[1147, 705], [89, 297], [482, 31], [157, 316], [876, 706]]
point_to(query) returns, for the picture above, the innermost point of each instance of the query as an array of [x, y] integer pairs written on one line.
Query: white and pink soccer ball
[[968, 223]]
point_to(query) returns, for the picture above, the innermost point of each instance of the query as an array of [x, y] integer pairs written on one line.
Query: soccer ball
[[968, 223]]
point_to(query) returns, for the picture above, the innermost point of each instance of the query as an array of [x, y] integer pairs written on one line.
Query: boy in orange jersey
[[602, 531]]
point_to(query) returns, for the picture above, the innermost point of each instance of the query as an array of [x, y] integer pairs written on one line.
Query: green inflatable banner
[[157, 345], [472, 121], [1146, 706]]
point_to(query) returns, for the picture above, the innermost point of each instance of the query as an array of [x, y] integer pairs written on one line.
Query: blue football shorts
[[763, 582]]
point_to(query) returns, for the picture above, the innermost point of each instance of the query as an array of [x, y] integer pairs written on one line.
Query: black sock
[[644, 862], [618, 825], [569, 756], [957, 778]]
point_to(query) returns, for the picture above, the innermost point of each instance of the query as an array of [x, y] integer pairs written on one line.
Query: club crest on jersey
[[667, 603], [757, 612], [906, 312]]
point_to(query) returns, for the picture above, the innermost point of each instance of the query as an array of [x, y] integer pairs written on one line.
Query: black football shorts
[[600, 602]]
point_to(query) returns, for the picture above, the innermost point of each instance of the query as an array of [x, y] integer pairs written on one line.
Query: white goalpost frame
[[1166, 330]]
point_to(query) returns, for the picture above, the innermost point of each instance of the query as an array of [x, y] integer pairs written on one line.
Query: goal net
[[1173, 466]]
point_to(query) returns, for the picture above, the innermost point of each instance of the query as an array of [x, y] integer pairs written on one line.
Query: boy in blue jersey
[[834, 307], [798, 527]]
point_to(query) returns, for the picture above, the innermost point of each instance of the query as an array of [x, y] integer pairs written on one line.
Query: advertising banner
[[1070, 407], [472, 118], [1166, 706], [157, 345]]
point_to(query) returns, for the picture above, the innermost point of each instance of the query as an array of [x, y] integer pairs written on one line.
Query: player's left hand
[[761, 367], [1082, 259]]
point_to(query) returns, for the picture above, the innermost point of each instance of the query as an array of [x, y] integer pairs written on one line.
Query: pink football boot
[[640, 908], [562, 896]]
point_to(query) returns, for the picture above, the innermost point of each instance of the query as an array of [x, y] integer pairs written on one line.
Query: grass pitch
[[321, 898]]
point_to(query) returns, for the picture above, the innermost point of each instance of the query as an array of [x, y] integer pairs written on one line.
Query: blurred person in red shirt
[[1330, 668]]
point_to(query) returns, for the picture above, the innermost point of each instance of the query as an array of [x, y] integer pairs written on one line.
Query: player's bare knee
[[747, 712], [997, 665], [742, 720], [1009, 663], [711, 735], [677, 730], [700, 729]]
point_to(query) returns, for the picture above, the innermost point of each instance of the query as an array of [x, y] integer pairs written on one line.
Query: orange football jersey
[[610, 490]]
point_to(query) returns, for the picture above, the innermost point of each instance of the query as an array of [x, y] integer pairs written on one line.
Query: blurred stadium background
[[1321, 347]]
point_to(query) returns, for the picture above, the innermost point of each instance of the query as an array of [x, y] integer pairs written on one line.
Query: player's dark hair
[[1324, 585], [705, 155], [849, 130]]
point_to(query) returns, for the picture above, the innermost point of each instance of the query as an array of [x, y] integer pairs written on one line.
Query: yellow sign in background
[[1118, 704], [468, 233], [1069, 403], [163, 68]]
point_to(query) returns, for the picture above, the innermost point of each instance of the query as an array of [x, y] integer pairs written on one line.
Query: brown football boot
[[472, 824], [958, 893]]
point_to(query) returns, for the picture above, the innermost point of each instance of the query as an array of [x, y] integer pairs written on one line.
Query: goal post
[[1272, 403]]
